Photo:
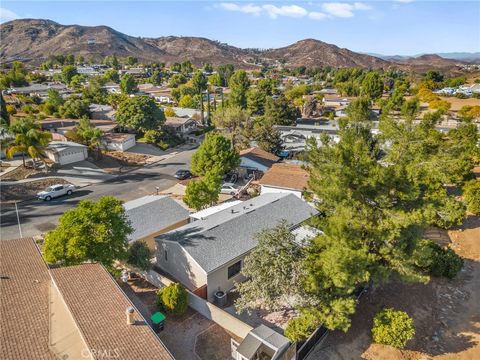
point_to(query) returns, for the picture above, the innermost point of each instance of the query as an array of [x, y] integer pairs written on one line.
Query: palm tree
[[29, 139], [90, 135]]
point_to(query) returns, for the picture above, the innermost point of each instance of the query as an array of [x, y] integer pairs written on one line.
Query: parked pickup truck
[[56, 191]]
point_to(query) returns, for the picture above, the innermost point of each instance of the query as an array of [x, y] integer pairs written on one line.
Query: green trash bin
[[158, 321]]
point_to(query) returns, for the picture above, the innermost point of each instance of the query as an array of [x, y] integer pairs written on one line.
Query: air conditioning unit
[[221, 298]]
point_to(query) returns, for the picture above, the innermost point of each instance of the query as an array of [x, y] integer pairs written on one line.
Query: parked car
[[56, 191], [183, 174], [229, 188]]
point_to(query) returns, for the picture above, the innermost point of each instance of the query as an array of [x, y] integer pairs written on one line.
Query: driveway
[[37, 217], [83, 173]]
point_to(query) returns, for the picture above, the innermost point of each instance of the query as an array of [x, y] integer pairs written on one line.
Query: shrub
[[139, 255], [301, 327], [471, 193], [151, 136], [436, 260], [393, 327], [173, 299]]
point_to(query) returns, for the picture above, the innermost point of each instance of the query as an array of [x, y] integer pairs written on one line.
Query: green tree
[[139, 255], [177, 80], [89, 135], [131, 60], [239, 85], [410, 108], [301, 327], [273, 271], [436, 260], [187, 101], [95, 91], [393, 327], [112, 75], [156, 78], [68, 72], [225, 71], [186, 67], [53, 102], [214, 153], [256, 101], [215, 80], [75, 108], [128, 84], [173, 299], [471, 195], [233, 119], [359, 109], [199, 82], [29, 139], [4, 114], [93, 231], [372, 85], [208, 68], [280, 112], [140, 113], [203, 192]]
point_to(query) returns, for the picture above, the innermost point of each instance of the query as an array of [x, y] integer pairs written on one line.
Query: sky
[[394, 27]]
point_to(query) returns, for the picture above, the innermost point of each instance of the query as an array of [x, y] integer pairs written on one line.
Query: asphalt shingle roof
[[98, 306], [152, 213], [259, 156], [24, 312], [227, 234]]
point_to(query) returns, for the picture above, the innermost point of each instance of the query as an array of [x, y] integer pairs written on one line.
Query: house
[[207, 255], [66, 152], [153, 215], [74, 312], [181, 125], [61, 126], [264, 343], [257, 159], [335, 101], [118, 141], [294, 138], [285, 178], [101, 112], [200, 215]]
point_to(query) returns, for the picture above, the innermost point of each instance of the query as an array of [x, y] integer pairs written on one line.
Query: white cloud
[[285, 10], [7, 15], [344, 10], [330, 10], [315, 15]]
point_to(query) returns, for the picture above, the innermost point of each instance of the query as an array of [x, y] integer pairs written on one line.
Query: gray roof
[[59, 146], [230, 233], [270, 337], [153, 213]]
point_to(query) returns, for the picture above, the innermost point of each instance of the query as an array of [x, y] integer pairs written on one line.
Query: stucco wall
[[180, 265], [218, 279], [150, 240]]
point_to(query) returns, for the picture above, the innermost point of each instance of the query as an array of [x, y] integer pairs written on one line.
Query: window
[[166, 255], [234, 269]]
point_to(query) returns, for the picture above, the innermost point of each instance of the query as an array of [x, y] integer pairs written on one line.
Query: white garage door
[[129, 143], [71, 156]]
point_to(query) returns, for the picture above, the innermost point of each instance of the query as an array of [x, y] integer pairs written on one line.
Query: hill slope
[[37, 39]]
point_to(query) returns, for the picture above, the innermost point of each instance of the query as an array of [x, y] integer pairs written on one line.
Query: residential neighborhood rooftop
[[229, 233], [260, 156], [90, 297], [283, 175], [153, 213]]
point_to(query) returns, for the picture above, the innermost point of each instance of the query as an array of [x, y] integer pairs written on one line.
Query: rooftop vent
[[130, 311]]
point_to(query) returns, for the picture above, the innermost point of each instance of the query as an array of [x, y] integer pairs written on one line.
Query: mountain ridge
[[37, 39]]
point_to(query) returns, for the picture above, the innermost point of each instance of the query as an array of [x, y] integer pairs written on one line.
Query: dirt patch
[[20, 173], [25, 191], [116, 162], [446, 312], [457, 103], [146, 292], [207, 343]]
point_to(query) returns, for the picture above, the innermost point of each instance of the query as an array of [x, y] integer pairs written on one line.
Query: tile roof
[[288, 176], [24, 311], [260, 156], [230, 233], [98, 306], [153, 213]]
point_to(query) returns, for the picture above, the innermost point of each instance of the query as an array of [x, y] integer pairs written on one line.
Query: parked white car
[[229, 188], [56, 191]]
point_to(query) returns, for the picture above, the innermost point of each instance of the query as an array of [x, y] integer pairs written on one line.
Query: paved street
[[38, 216]]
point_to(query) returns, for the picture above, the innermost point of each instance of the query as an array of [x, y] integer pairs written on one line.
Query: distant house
[[153, 215], [181, 125], [285, 178], [61, 126], [72, 312], [66, 152], [101, 112], [257, 159], [207, 255], [119, 141], [335, 101]]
